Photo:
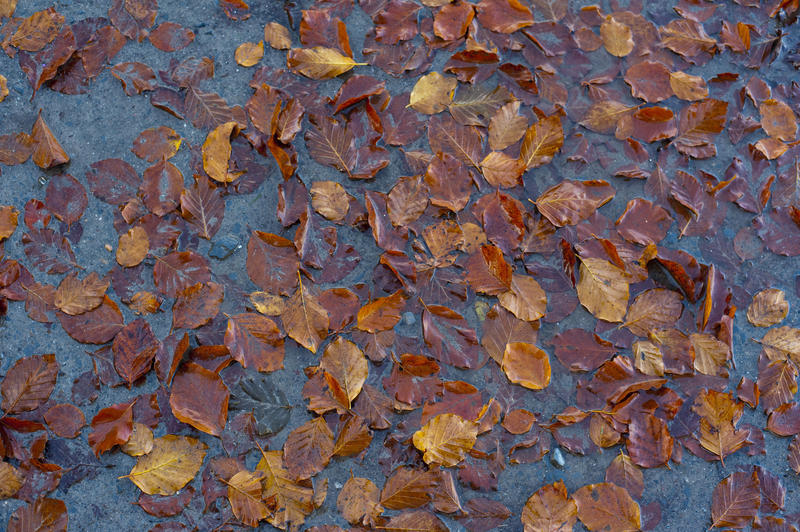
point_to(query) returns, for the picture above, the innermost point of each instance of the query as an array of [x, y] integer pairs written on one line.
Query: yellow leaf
[[173, 463], [542, 141], [549, 509], [648, 358], [329, 199], [249, 53], [10, 480], [710, 355], [526, 365], [3, 88], [217, 153], [319, 62], [133, 247], [781, 343], [140, 442], [688, 87], [432, 93], [603, 289], [617, 37], [526, 299], [244, 494], [277, 36], [768, 308], [8, 221], [267, 304], [345, 362], [445, 439], [359, 501]]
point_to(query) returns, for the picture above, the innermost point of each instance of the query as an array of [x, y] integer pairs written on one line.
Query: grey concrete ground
[[103, 124]]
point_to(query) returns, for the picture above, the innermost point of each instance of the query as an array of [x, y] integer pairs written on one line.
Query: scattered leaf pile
[[481, 255]]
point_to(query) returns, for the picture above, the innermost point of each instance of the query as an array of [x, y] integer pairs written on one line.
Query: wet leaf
[[504, 16], [217, 153], [36, 31], [47, 152], [111, 426], [308, 449], [173, 463], [541, 142], [359, 501], [171, 37], [134, 347], [277, 36], [255, 341], [710, 355], [570, 202], [200, 398], [617, 37], [305, 319], [244, 494], [526, 299], [688, 87], [265, 401], [625, 474], [778, 120], [42, 514], [506, 126], [140, 442], [196, 305], [11, 480], [75, 296], [346, 364], [407, 488], [736, 500], [133, 247], [657, 308], [293, 501], [381, 314], [28, 383]]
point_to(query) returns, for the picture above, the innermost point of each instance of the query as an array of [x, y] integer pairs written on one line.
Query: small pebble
[[556, 458], [408, 318]]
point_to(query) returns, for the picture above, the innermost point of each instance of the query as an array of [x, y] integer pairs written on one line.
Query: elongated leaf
[[319, 62]]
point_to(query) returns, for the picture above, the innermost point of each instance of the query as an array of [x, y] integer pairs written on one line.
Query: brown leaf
[[277, 36], [329, 199], [549, 510], [381, 314], [177, 271], [502, 170], [96, 326], [255, 341], [244, 494], [526, 299], [359, 501], [603, 289], [39, 29], [445, 439], [29, 383], [501, 328], [43, 514], [141, 441], [687, 38], [526, 365], [272, 262], [47, 152], [769, 307], [625, 474], [111, 426], [450, 337], [710, 354], [305, 320], [75, 296], [449, 182], [504, 16], [657, 308], [134, 347], [688, 87], [643, 222], [161, 187], [308, 449], [203, 207], [542, 141], [293, 501], [736, 500], [200, 398], [133, 247], [171, 37], [506, 126], [196, 305], [778, 120], [65, 420], [135, 77], [407, 488], [606, 506], [11, 480], [649, 441], [488, 272], [346, 364], [570, 202], [8, 221]]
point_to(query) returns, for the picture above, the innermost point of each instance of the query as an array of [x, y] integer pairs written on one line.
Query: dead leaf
[[277, 36], [319, 62], [217, 153], [133, 247], [617, 37], [249, 54], [245, 496], [305, 320], [606, 506], [445, 439], [526, 365], [549, 509], [47, 152], [432, 93], [541, 142], [173, 463], [603, 289], [200, 398], [769, 307]]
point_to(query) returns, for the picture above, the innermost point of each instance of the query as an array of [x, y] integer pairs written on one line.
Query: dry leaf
[[245, 496], [769, 307], [329, 199], [173, 463], [445, 439], [277, 35], [606, 506], [506, 126], [8, 221], [140, 442], [549, 509], [603, 289], [688, 87], [133, 247], [305, 320], [217, 153], [47, 152], [249, 54], [346, 363], [617, 37], [542, 141], [319, 62], [432, 93]]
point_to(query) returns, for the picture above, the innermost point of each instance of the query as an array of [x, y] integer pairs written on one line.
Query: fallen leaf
[[617, 37], [173, 463], [526, 365], [305, 320], [200, 398], [47, 152], [75, 296], [244, 495], [432, 93], [359, 501], [445, 439], [603, 289], [319, 62], [769, 307], [549, 509], [249, 54], [308, 449], [133, 247], [570, 202], [277, 36], [346, 363], [735, 500], [217, 153], [28, 383], [541, 142], [606, 506]]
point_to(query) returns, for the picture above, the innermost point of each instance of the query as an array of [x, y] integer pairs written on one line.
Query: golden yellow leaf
[[768, 308], [3, 87], [345, 361], [688, 87], [133, 247], [445, 439], [710, 354], [648, 358], [47, 151], [217, 153], [432, 93], [10, 480], [329, 199], [319, 62], [173, 463], [144, 302], [606, 506], [8, 221], [249, 53], [305, 320], [526, 299], [141, 441], [245, 496], [277, 36], [293, 501], [7, 8], [603, 289], [617, 37], [781, 343], [778, 120], [526, 365], [502, 170], [267, 304]]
